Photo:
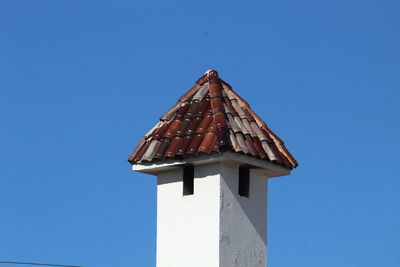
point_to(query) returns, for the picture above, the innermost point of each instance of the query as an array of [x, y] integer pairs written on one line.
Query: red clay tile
[[162, 148], [171, 112], [215, 86], [201, 93], [248, 115], [137, 148], [193, 125], [222, 139], [248, 128], [242, 143], [216, 105], [185, 144], [239, 123], [159, 133], [232, 124], [196, 142], [151, 150], [250, 145], [290, 157], [239, 97], [202, 80], [183, 127], [192, 111], [260, 149], [172, 129], [173, 147], [275, 151], [210, 118], [212, 77], [189, 93], [182, 111], [141, 152], [205, 105], [225, 84], [219, 120], [268, 150], [230, 107], [205, 146]]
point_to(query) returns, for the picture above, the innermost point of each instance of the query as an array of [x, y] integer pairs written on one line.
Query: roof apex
[[210, 70]]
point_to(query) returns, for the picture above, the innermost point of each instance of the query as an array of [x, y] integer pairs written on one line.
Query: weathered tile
[[242, 143], [268, 150], [241, 126], [233, 125], [210, 118], [260, 149], [141, 152], [151, 150], [189, 93], [162, 148], [136, 150], [236, 147], [250, 145], [171, 112], [201, 93]]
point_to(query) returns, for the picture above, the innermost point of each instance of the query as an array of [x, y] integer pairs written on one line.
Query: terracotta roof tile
[[189, 93], [211, 118], [207, 119], [259, 148], [172, 129], [133, 156], [208, 141], [194, 145], [250, 145], [201, 92], [173, 147], [242, 143], [151, 150], [138, 156], [203, 79], [162, 148], [185, 144], [168, 115], [234, 142], [159, 133]]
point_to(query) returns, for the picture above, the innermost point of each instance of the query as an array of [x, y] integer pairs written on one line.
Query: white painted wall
[[243, 221], [215, 227], [188, 226]]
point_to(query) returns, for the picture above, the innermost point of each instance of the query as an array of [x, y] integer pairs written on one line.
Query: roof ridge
[[218, 110]]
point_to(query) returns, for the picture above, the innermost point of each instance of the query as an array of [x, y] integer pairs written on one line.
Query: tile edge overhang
[[267, 169]]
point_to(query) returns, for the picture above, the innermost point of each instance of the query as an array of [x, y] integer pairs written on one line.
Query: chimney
[[212, 156]]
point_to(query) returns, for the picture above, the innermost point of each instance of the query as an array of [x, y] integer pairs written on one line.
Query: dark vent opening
[[188, 180], [244, 181]]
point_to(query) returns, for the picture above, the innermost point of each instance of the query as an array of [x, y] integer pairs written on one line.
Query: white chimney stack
[[212, 156]]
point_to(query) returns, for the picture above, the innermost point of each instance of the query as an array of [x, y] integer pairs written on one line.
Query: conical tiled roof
[[211, 118]]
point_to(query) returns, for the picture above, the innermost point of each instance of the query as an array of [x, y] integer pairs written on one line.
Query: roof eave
[[267, 169]]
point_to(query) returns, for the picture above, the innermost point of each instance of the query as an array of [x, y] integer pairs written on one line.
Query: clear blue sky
[[82, 81]]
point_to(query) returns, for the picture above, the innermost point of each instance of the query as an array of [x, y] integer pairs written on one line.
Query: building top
[[211, 118]]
